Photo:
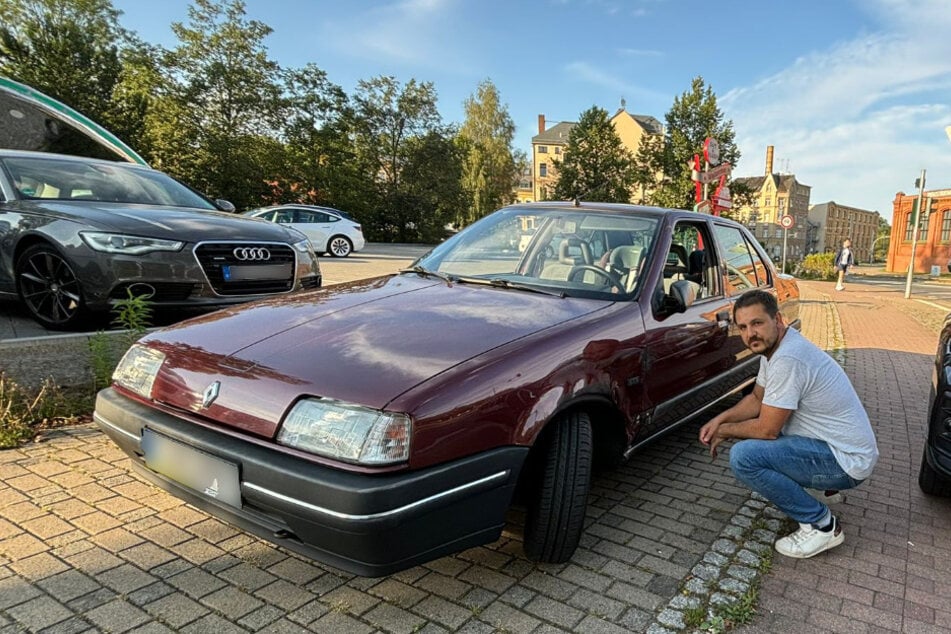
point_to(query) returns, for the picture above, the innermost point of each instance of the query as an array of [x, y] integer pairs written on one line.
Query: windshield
[[63, 179], [574, 252]]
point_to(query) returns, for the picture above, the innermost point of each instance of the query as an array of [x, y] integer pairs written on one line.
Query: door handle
[[723, 319]]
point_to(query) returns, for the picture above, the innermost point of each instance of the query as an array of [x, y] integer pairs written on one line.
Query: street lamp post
[[914, 235]]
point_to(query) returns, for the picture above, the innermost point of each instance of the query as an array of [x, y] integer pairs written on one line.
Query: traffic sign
[[711, 151], [787, 222]]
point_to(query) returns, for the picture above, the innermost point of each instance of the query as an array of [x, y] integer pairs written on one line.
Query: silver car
[[77, 234]]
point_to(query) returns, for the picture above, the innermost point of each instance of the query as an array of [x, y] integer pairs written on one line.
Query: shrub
[[818, 266]]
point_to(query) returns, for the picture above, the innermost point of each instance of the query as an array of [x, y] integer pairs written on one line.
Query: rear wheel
[[556, 509], [930, 481], [49, 288], [340, 246]]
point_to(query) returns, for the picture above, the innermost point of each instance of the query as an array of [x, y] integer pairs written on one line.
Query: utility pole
[[914, 235]]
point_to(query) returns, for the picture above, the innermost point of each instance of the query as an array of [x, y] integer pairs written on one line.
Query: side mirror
[[225, 205], [682, 295]]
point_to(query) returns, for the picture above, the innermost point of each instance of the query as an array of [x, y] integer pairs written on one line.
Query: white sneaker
[[839, 287], [827, 497], [808, 541]]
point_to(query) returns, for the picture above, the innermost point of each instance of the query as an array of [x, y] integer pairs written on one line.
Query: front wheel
[[556, 510], [49, 288], [340, 246]]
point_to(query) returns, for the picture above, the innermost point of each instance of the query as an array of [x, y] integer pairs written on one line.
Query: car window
[[65, 179], [741, 268], [559, 249], [690, 258], [324, 218], [283, 216]]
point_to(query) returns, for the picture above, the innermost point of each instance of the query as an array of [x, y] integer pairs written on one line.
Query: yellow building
[[549, 145], [774, 196]]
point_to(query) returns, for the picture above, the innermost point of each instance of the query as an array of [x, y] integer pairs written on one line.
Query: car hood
[[163, 222], [365, 343]]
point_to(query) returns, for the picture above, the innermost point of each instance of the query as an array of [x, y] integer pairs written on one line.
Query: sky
[[854, 95]]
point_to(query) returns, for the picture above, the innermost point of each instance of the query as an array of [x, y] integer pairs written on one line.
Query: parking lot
[[86, 546]]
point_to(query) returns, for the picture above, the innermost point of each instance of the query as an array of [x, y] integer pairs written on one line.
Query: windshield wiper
[[419, 270], [504, 283]]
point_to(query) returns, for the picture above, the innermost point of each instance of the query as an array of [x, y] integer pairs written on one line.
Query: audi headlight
[[304, 246], [138, 369], [347, 432], [129, 245]]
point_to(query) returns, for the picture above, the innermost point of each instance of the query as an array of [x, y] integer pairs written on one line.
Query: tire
[[930, 481], [556, 509], [339, 246], [49, 288]]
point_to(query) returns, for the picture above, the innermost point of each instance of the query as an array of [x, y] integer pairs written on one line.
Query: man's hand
[[709, 435]]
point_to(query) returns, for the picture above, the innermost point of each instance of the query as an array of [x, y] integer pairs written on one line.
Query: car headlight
[[347, 432], [138, 369], [130, 245], [304, 246]]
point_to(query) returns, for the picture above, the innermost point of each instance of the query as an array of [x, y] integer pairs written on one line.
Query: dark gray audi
[[77, 234]]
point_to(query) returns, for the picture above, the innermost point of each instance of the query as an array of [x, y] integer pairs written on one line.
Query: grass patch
[[24, 413]]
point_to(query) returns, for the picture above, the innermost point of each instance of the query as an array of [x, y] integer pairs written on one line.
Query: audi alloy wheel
[[340, 246], [49, 288]]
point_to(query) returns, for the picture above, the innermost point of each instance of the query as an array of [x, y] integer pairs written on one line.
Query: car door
[[316, 225], [685, 362]]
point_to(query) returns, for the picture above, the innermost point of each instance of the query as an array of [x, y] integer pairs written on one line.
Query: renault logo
[[249, 254], [210, 394]]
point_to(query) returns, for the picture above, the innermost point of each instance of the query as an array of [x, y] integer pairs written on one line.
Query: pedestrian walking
[[843, 260], [803, 432]]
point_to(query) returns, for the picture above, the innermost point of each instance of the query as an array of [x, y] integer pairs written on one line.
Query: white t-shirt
[[803, 378], [844, 258]]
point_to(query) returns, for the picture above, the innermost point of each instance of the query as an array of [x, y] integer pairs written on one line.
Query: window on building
[[543, 149], [923, 229], [946, 225], [543, 169], [909, 228], [557, 149], [769, 201]]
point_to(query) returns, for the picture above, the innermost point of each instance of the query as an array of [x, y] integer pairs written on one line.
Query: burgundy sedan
[[379, 424]]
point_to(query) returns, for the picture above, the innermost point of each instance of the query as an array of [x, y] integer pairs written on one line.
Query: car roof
[[301, 206], [617, 208]]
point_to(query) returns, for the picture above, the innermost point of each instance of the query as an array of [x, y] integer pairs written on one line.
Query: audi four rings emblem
[[248, 254]]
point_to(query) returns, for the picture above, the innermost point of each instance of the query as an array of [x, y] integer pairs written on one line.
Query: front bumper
[[366, 524]]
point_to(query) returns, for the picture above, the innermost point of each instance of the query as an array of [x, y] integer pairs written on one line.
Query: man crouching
[[803, 427]]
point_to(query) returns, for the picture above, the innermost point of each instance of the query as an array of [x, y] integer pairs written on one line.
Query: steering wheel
[[612, 279]]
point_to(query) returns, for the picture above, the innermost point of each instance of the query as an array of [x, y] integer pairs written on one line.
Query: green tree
[[693, 117], [319, 157], [387, 119], [489, 171], [226, 101], [596, 166], [67, 50]]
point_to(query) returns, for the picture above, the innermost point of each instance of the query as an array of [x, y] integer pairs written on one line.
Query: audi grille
[[237, 268]]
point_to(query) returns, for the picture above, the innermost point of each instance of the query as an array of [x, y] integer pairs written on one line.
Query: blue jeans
[[779, 469]]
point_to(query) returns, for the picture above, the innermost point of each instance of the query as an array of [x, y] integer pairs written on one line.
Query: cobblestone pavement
[[86, 546]]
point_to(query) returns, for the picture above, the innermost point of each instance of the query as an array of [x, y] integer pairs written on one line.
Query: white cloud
[[859, 120], [588, 73], [417, 32]]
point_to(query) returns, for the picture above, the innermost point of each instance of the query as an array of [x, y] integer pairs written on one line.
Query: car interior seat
[[571, 252], [625, 262], [675, 271]]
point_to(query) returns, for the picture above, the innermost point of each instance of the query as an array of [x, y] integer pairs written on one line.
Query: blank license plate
[[200, 471], [233, 273]]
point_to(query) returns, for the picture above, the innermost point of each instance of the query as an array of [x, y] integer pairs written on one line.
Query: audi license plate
[[236, 273], [197, 470]]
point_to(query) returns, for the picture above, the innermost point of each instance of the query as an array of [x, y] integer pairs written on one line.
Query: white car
[[329, 230]]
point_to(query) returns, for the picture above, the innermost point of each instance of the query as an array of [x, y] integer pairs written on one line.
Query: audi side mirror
[[225, 205]]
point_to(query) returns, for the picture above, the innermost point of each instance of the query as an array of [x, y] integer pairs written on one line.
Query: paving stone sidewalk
[[86, 546]]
